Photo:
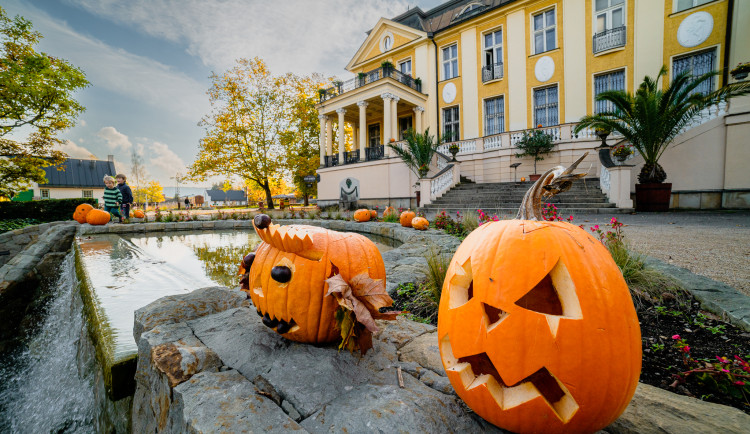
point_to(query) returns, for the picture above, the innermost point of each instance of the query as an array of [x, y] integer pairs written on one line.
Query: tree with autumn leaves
[[261, 127], [36, 98]]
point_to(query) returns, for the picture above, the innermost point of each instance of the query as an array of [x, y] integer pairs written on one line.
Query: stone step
[[511, 212], [516, 206], [518, 198]]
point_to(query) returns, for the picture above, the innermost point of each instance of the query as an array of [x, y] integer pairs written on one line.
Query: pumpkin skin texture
[[420, 223], [362, 215], [296, 305], [138, 214], [406, 218], [98, 217], [79, 214], [373, 214], [537, 329]]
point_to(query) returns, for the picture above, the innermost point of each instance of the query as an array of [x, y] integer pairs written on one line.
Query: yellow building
[[483, 71]]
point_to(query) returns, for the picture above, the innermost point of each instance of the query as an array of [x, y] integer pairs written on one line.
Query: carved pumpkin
[[139, 214], [420, 223], [288, 272], [373, 214], [536, 327], [362, 215], [390, 211], [406, 218], [79, 214], [98, 217]]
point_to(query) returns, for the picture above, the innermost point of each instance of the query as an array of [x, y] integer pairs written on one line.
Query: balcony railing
[[374, 152], [342, 87], [610, 39], [492, 72], [351, 157], [332, 160]]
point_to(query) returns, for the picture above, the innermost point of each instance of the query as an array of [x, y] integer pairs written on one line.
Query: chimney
[[111, 158]]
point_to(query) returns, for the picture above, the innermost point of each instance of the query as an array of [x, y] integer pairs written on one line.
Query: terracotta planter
[[652, 197], [534, 177]]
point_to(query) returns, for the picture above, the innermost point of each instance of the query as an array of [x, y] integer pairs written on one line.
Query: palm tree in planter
[[417, 152], [652, 118]]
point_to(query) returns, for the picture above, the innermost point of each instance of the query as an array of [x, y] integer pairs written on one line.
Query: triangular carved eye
[[554, 296], [493, 316], [461, 285]]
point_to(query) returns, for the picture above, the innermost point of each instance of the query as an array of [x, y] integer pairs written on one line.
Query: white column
[[387, 122], [394, 113], [342, 135], [362, 129], [329, 137], [418, 113], [619, 186], [322, 139]]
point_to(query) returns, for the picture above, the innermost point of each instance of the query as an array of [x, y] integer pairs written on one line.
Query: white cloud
[[300, 36], [140, 78], [74, 151], [165, 161], [115, 139], [82, 123]]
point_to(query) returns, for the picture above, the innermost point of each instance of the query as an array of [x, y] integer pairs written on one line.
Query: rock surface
[[225, 371]]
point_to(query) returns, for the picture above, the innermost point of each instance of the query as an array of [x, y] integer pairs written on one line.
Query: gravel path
[[712, 244]]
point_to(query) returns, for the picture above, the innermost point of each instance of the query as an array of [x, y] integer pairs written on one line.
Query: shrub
[[49, 210], [12, 224]]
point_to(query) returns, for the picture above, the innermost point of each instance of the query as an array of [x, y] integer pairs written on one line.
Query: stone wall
[[16, 240]]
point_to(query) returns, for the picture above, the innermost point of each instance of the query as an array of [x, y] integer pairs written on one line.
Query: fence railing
[[366, 78], [492, 72], [610, 39]]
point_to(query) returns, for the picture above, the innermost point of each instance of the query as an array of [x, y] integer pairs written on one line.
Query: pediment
[[373, 47]]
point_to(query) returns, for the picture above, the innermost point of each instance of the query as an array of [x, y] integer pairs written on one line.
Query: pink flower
[[675, 337], [686, 348], [739, 383], [725, 370]]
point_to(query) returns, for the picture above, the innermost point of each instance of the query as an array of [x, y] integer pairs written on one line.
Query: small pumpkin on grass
[[536, 327], [390, 211], [79, 214], [406, 218], [139, 214], [362, 215], [313, 285], [420, 223], [98, 217], [373, 214]]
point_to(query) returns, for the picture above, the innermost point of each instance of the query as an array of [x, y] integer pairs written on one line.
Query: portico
[[378, 108]]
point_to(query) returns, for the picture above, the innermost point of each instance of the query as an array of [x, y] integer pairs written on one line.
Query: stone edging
[[715, 296]]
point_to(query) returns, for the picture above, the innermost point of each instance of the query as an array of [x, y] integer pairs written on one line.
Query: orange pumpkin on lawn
[[79, 214], [288, 272], [536, 327], [98, 217], [139, 214], [362, 215], [406, 218]]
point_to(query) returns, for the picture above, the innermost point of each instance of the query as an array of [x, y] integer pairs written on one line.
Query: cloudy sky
[[149, 61]]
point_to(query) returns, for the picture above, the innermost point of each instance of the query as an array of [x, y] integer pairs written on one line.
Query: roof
[[228, 196], [445, 15], [79, 173]]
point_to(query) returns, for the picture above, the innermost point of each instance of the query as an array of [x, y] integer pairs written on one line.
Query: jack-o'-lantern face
[[287, 276], [537, 330]]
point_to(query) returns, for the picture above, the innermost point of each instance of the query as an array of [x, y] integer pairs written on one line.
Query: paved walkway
[[714, 244]]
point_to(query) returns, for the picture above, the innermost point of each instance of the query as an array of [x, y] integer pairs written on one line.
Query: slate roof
[[79, 173], [445, 15], [229, 196]]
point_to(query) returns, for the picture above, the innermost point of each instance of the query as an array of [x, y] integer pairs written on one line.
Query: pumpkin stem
[[552, 182]]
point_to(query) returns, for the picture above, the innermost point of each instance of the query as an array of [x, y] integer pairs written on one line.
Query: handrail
[[341, 87], [447, 168]]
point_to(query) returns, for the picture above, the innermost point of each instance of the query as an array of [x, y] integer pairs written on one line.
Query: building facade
[[480, 72], [75, 178]]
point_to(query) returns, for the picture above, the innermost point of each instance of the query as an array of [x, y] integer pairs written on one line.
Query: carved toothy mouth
[[279, 326], [477, 370]]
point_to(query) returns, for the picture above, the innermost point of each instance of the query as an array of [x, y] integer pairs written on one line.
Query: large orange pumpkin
[[79, 214], [287, 276], [373, 214], [98, 217], [406, 218], [420, 223], [362, 215], [536, 327], [139, 214]]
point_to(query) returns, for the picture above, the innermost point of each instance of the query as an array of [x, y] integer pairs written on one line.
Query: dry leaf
[[338, 287], [370, 291]]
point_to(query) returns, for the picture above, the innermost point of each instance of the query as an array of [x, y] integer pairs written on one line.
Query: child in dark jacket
[[112, 197], [127, 195]]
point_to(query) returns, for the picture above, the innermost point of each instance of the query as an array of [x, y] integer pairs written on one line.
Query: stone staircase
[[504, 199]]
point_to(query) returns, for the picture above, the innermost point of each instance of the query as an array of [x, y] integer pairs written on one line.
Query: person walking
[[127, 195]]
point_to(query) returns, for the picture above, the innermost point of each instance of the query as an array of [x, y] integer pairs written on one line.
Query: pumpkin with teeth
[[288, 272], [536, 327]]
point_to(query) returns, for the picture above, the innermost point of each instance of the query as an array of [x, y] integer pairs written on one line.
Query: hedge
[[48, 210]]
